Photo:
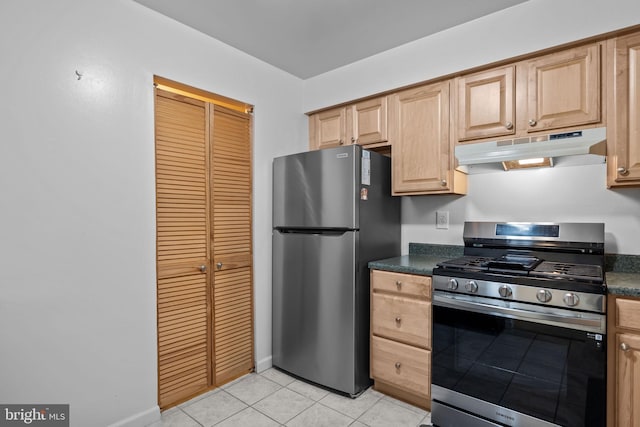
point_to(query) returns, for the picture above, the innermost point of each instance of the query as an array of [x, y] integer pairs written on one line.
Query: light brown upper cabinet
[[563, 89], [328, 129], [363, 123], [368, 121], [422, 157], [550, 92], [486, 104], [623, 164]]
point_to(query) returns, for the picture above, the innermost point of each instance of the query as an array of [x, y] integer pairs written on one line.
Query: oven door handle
[[581, 321]]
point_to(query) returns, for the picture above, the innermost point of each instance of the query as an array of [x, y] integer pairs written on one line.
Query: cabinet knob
[[398, 320], [219, 265], [443, 182], [532, 122], [623, 171], [341, 142], [398, 365], [203, 268], [353, 139], [398, 284], [509, 125], [624, 346]]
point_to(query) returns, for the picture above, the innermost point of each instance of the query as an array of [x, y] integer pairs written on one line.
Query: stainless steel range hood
[[586, 146]]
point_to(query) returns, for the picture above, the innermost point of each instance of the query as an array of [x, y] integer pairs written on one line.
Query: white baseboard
[[141, 419], [264, 364]]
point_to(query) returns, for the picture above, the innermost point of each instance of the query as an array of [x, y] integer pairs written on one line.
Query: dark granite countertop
[[623, 284], [422, 265], [622, 271]]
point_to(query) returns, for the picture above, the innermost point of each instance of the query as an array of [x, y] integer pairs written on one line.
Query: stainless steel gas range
[[519, 327]]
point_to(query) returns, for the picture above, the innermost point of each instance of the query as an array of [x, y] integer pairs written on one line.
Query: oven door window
[[548, 372]]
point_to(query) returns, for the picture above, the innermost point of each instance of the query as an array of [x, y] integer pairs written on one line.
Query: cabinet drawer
[[628, 313], [401, 365], [402, 319], [403, 284]]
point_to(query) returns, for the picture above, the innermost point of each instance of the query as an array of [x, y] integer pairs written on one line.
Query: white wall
[[77, 195], [77, 208], [560, 194]]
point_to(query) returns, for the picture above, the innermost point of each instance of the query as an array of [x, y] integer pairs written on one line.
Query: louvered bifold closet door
[[182, 247], [231, 243]]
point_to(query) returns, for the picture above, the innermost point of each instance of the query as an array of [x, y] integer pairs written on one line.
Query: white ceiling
[[310, 37]]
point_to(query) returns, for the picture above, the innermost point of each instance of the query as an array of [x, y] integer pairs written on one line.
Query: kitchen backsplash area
[[563, 194]]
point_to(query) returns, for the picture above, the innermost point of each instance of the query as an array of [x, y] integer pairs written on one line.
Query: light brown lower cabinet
[[401, 336], [624, 362]]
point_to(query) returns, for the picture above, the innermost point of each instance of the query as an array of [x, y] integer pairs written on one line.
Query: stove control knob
[[453, 284], [571, 299], [543, 295], [471, 286], [505, 291]]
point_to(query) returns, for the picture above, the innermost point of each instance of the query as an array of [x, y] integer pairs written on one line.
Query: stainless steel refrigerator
[[332, 213]]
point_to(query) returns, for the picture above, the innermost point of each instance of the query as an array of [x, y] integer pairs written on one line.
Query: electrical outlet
[[442, 219]]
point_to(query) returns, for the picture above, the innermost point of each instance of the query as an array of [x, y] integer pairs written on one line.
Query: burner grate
[[472, 263], [568, 271]]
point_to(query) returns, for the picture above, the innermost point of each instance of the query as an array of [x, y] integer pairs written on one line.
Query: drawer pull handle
[[398, 320], [398, 365], [398, 284]]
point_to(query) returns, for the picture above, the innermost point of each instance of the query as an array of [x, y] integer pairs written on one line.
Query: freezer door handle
[[315, 231]]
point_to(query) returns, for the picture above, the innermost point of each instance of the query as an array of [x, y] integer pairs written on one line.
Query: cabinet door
[[624, 160], [486, 103], [564, 89], [369, 121], [328, 129], [628, 380], [419, 129]]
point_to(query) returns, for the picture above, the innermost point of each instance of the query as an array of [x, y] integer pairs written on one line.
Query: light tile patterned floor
[[272, 399]]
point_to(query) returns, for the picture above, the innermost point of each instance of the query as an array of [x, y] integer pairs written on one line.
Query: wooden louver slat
[[182, 231]]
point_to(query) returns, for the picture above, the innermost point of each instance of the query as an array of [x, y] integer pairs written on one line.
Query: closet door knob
[[219, 265], [203, 268]]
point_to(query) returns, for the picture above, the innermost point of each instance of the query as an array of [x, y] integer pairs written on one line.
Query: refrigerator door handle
[[315, 231]]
